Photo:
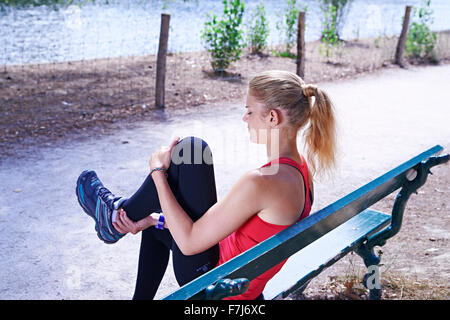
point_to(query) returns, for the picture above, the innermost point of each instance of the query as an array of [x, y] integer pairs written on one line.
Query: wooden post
[[301, 45], [161, 61], [402, 38]]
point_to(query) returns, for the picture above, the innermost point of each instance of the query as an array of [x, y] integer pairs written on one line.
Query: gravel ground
[[49, 249]]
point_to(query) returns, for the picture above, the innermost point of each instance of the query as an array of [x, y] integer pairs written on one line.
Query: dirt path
[[48, 246]]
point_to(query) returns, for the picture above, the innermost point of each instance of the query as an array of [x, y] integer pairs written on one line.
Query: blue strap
[[160, 224]]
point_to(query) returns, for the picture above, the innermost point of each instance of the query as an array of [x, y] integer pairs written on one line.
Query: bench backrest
[[277, 248]]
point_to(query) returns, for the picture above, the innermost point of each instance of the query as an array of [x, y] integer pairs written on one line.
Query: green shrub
[[223, 38], [342, 8], [330, 39], [258, 29], [421, 41], [288, 24]]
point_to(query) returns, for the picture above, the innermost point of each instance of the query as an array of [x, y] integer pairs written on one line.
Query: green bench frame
[[320, 240]]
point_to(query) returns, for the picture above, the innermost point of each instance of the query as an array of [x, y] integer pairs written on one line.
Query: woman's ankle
[[117, 205]]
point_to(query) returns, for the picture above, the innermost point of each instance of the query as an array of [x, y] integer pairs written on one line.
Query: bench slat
[[311, 259]]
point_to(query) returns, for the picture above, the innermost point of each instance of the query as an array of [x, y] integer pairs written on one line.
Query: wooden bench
[[321, 239]]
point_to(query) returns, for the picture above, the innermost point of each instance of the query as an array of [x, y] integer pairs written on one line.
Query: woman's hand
[[124, 224], [162, 157]]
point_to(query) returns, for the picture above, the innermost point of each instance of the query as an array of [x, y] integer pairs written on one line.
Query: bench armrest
[[416, 178]]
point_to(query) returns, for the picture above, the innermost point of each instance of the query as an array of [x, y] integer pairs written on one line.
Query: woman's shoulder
[[259, 179], [271, 180], [262, 176], [276, 173], [254, 178], [272, 183]]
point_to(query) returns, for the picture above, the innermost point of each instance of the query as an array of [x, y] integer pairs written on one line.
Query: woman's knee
[[192, 150], [188, 268]]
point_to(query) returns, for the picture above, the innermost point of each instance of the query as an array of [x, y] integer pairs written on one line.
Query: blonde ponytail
[[320, 136]]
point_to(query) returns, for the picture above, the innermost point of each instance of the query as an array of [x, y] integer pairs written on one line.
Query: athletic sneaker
[[98, 202]]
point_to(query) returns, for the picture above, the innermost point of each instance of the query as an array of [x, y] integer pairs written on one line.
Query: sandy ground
[[48, 246]]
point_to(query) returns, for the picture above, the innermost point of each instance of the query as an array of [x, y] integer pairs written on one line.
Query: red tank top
[[256, 230]]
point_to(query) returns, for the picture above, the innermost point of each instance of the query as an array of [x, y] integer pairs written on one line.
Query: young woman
[[201, 231]]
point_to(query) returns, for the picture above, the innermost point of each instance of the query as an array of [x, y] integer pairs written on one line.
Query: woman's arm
[[245, 199]]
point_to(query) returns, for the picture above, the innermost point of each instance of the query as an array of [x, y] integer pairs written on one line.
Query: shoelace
[[106, 196]]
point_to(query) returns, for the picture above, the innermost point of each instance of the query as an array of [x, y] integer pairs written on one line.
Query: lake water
[[126, 27]]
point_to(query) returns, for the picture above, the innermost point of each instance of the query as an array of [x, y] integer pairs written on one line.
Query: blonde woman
[[201, 231]]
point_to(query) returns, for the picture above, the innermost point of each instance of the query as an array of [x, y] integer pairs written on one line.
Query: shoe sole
[[80, 198]]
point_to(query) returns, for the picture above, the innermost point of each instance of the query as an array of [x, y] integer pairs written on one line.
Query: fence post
[[402, 38], [301, 45], [161, 61]]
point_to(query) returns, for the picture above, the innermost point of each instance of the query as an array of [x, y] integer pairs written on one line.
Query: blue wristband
[[160, 224]]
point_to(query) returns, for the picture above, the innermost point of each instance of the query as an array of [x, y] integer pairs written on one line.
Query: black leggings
[[193, 184]]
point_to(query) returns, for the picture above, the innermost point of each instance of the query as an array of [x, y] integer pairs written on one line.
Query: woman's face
[[256, 123]]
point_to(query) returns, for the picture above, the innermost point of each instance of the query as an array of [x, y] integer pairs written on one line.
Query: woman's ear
[[274, 117]]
